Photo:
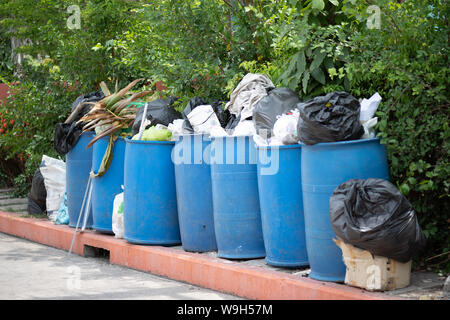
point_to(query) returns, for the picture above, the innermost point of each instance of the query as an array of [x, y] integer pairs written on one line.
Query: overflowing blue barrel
[[194, 193], [106, 187], [324, 167], [281, 202], [78, 167], [150, 213], [237, 217]]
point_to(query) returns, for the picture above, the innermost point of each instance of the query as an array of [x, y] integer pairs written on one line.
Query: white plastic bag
[[117, 217], [369, 107], [245, 128], [369, 128], [203, 119], [285, 129], [54, 173], [176, 127]]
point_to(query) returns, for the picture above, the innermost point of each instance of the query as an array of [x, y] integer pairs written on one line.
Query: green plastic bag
[[155, 134]]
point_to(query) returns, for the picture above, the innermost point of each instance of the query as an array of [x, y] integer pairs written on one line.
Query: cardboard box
[[373, 273]]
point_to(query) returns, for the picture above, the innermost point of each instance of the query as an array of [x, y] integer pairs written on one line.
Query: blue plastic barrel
[[78, 167], [237, 217], [150, 203], [194, 193], [281, 201], [106, 187], [324, 167]]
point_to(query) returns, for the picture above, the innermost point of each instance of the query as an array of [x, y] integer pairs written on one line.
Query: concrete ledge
[[214, 273]]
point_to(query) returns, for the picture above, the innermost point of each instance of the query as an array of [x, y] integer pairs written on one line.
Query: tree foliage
[[204, 47]]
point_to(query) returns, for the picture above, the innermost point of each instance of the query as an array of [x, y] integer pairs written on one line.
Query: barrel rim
[[287, 146], [149, 142], [348, 142], [231, 137], [107, 137], [206, 136], [88, 133]]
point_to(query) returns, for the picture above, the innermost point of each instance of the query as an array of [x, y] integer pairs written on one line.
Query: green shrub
[[204, 48], [31, 113], [406, 61]]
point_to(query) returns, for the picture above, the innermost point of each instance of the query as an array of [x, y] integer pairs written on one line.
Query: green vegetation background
[[203, 48]]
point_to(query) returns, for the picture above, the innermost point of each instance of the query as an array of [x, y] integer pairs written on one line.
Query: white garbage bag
[[54, 173], [176, 127], [203, 119], [285, 129], [369, 128], [369, 107], [245, 128], [117, 217]]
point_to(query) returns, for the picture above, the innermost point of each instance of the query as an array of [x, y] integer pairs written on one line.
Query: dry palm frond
[[113, 113]]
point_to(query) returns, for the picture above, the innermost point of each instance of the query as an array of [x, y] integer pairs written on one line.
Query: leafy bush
[[30, 115], [406, 61], [204, 48]]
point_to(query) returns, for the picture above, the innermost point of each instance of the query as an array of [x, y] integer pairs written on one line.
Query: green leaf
[[301, 62], [328, 63], [305, 80], [318, 59], [404, 188], [318, 4], [332, 72], [285, 77], [318, 75], [334, 2], [292, 84]]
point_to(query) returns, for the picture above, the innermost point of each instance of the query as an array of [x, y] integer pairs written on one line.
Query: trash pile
[[378, 231], [48, 191], [370, 215], [374, 215], [337, 116], [159, 111], [273, 116], [68, 133]]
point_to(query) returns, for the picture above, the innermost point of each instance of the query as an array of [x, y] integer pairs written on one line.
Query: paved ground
[[33, 271], [424, 285]]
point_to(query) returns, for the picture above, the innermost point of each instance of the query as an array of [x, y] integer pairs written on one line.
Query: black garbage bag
[[374, 215], [159, 111], [232, 122], [329, 118], [192, 104], [67, 134], [277, 102], [38, 195], [222, 114]]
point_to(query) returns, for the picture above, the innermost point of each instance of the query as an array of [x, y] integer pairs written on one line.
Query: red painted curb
[[214, 273]]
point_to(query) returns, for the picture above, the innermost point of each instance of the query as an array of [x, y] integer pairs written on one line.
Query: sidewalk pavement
[[252, 279]]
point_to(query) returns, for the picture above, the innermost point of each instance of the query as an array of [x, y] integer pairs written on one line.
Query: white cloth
[[249, 91]]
